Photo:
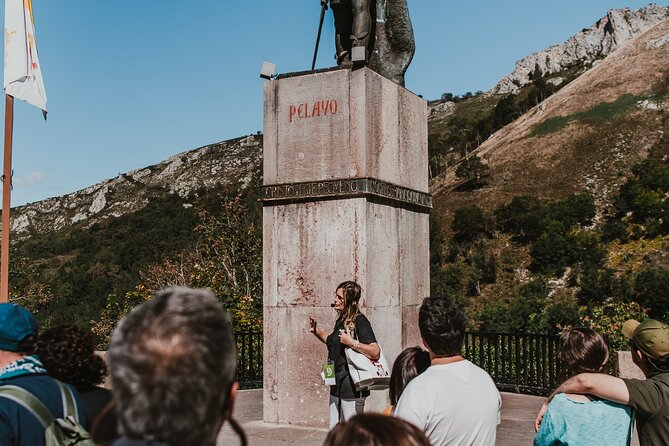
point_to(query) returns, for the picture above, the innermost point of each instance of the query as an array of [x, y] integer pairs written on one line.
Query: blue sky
[[130, 83]]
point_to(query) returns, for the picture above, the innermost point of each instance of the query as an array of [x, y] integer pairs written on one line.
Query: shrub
[[651, 289], [446, 282], [469, 223], [472, 170], [615, 230], [551, 251], [527, 309], [574, 210], [607, 320], [585, 247], [595, 285], [523, 217], [494, 316], [562, 312]]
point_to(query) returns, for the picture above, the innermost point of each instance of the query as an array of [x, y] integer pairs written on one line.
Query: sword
[[324, 8]]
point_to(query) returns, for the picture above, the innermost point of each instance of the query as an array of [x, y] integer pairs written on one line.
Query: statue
[[382, 27]]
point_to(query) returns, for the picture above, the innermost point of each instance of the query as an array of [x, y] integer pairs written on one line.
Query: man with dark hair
[[453, 401], [19, 368], [649, 398], [172, 362]]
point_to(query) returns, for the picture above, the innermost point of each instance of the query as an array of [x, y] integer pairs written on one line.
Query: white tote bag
[[368, 374]]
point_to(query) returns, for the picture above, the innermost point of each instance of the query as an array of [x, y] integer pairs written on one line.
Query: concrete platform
[[518, 413]]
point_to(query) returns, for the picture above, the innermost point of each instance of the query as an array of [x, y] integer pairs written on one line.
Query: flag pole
[[6, 191]]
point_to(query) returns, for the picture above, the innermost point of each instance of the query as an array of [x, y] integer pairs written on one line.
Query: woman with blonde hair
[[351, 330]]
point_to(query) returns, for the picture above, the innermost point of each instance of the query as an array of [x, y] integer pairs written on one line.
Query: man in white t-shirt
[[453, 401]]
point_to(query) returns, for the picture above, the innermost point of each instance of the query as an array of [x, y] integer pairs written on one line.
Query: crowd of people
[[172, 362]]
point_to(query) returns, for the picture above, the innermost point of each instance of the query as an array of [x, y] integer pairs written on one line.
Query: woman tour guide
[[351, 330]]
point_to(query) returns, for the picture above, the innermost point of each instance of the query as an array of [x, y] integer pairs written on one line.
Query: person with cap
[[649, 398], [18, 367]]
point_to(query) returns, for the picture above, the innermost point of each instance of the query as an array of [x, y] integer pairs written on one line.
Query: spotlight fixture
[[267, 70], [358, 54]]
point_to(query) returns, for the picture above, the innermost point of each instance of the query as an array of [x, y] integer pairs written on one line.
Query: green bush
[[494, 316], [615, 230], [469, 223], [585, 247], [473, 171], [550, 252], [446, 282], [651, 289], [608, 319], [574, 210], [527, 309], [561, 312], [523, 217]]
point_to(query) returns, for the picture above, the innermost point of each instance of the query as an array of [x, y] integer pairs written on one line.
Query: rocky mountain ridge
[[609, 33], [585, 147], [237, 160], [228, 162]]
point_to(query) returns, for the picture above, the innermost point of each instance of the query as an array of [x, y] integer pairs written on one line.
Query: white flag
[[23, 76]]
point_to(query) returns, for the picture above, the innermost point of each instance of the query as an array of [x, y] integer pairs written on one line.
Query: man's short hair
[[442, 325], [172, 362]]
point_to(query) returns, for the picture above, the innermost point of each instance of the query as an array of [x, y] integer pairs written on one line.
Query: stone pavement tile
[[260, 433], [514, 433], [518, 413]]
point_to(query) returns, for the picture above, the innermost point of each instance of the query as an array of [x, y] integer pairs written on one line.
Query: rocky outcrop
[[608, 34], [228, 162]]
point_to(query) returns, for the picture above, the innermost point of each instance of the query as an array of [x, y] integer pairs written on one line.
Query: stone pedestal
[[344, 198]]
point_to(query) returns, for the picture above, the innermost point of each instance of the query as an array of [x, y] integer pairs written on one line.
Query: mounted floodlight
[[358, 54], [267, 70]]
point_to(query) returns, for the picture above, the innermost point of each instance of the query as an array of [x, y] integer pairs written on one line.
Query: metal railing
[[520, 362], [249, 359], [517, 362]]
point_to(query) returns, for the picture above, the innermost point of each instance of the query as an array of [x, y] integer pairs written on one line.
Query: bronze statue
[[382, 27]]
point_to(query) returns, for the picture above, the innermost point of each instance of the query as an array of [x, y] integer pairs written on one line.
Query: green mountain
[[549, 202]]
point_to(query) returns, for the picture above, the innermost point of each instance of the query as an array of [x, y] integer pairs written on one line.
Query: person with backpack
[[30, 399]]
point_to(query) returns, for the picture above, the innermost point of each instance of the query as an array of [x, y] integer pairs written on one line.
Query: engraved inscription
[[316, 109], [344, 188]]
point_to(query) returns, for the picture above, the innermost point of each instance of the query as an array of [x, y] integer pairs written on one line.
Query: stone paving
[[518, 412]]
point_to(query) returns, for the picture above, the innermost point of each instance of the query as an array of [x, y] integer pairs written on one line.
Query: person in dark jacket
[[68, 354], [172, 362], [19, 367]]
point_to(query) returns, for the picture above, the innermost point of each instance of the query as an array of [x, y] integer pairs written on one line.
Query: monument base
[[345, 198]]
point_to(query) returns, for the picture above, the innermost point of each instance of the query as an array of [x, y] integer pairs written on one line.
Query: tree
[[448, 97], [551, 251], [651, 289], [473, 171], [469, 223], [523, 217], [227, 258]]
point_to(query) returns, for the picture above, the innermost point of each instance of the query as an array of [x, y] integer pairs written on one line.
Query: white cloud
[[28, 180]]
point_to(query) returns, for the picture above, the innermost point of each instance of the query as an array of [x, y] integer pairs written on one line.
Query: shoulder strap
[[630, 434], [69, 406], [29, 401], [355, 327]]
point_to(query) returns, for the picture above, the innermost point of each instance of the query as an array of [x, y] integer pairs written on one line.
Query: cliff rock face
[[608, 34], [227, 162]]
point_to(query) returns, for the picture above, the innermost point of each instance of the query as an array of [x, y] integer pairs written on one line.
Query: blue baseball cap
[[16, 324]]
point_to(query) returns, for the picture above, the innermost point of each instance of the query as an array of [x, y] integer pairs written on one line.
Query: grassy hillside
[[550, 209], [601, 139]]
